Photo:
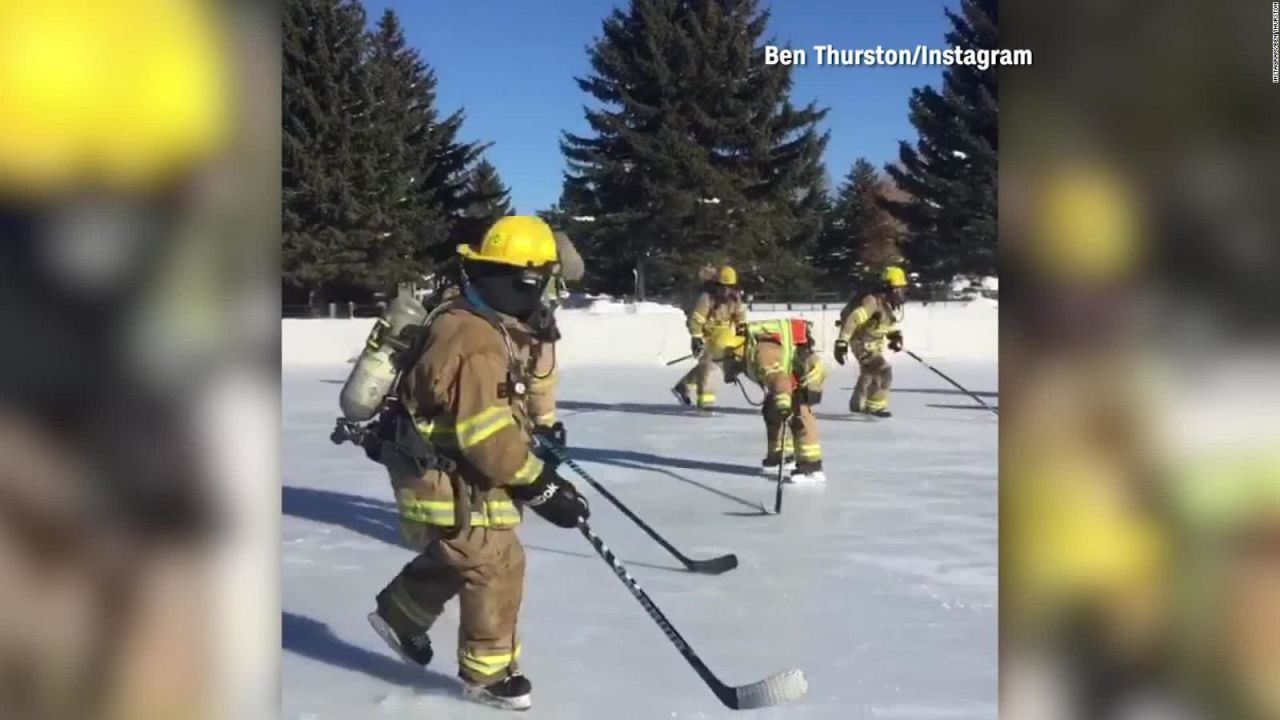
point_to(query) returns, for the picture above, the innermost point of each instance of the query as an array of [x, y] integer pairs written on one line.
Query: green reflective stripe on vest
[[778, 328]]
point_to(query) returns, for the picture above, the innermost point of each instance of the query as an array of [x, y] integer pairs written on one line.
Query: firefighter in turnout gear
[[465, 392], [544, 379], [868, 328], [711, 323], [779, 356]]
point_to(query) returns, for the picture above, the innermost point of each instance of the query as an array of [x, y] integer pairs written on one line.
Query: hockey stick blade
[[773, 690], [780, 688], [713, 566]]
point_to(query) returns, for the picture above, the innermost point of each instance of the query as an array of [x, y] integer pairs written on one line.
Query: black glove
[[555, 434], [895, 341], [842, 351], [695, 345], [554, 498], [731, 371]]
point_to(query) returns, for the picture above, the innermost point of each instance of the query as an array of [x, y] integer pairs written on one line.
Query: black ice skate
[[808, 473], [513, 692], [413, 648], [770, 464], [682, 394], [881, 413]]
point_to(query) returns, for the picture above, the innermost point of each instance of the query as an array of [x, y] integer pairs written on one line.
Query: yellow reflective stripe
[[481, 426], [879, 403], [432, 512], [782, 400], [502, 513], [438, 431], [698, 318], [547, 418], [529, 471], [496, 513], [488, 664], [809, 451], [860, 315], [411, 609], [706, 397], [815, 375]]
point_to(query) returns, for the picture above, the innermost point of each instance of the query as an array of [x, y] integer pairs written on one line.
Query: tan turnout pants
[[700, 381], [871, 391], [484, 568], [802, 435]]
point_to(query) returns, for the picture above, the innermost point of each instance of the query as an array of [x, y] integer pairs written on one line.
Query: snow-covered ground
[[881, 585]]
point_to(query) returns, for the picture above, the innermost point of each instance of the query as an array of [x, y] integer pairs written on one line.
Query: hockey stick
[[680, 359], [713, 566], [953, 382], [782, 441], [773, 690]]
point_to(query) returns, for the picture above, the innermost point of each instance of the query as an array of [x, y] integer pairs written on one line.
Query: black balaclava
[[507, 289]]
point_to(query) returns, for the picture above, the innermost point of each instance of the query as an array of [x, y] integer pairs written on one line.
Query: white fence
[[614, 334]]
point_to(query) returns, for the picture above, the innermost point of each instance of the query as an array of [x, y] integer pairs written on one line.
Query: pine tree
[[326, 180], [489, 200], [950, 173], [404, 218], [696, 154], [424, 168], [860, 236]]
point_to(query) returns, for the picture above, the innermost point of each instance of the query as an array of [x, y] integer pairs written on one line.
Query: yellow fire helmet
[[122, 94], [1087, 224], [518, 240], [733, 340], [727, 276], [893, 276]]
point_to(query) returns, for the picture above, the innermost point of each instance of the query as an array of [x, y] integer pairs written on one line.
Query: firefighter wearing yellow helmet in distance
[[466, 394], [871, 326], [779, 356], [712, 322]]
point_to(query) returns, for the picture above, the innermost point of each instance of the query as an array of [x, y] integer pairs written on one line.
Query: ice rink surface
[[881, 585]]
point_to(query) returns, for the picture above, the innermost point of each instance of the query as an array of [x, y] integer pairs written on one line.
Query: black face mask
[[509, 290]]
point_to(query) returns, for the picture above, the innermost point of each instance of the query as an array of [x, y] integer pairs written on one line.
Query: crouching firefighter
[[780, 356], [454, 434], [871, 323]]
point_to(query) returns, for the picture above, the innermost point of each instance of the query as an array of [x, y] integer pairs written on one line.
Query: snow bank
[[620, 334]]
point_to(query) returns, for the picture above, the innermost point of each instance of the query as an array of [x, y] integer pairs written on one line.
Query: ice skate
[[808, 473], [513, 692], [414, 649], [769, 466]]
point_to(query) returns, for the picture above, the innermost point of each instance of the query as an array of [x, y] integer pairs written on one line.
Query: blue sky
[[511, 64]]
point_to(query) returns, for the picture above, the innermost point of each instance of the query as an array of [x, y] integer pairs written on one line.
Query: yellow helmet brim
[[469, 253]]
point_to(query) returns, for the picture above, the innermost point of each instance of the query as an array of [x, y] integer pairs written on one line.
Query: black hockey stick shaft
[[726, 694], [713, 566], [680, 359], [958, 386], [782, 463]]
